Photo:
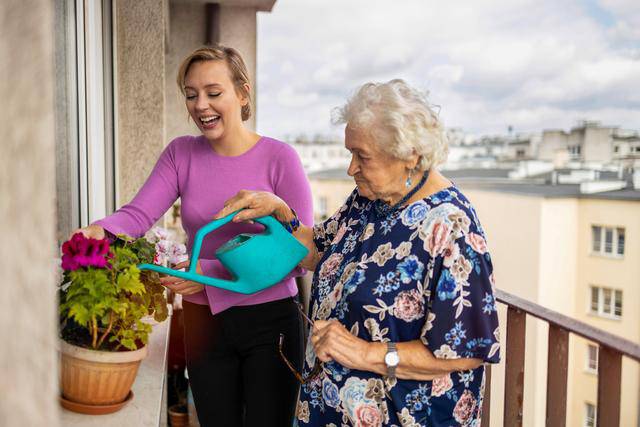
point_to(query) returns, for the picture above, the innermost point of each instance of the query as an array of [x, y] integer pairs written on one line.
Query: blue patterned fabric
[[423, 273]]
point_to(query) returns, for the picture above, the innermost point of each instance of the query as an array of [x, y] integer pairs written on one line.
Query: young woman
[[231, 339]]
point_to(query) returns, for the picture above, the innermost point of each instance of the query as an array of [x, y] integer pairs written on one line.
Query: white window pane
[[606, 304], [620, 241], [618, 303], [596, 235], [594, 299], [592, 357], [608, 240], [589, 415]]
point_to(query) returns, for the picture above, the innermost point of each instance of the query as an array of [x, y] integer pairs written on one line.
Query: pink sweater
[[189, 168]]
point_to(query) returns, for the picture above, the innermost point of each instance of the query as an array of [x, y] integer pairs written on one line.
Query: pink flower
[[368, 415], [464, 408], [330, 266], [437, 238], [441, 385], [477, 242], [80, 251], [451, 252], [408, 305], [339, 234]]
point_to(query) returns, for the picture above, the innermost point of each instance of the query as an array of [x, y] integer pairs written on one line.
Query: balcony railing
[[612, 348]]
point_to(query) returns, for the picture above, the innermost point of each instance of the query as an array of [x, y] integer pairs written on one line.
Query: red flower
[[81, 251]]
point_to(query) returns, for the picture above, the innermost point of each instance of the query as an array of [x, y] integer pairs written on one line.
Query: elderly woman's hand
[[181, 286], [255, 204], [332, 341]]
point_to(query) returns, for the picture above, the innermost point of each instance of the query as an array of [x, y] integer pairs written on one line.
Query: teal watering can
[[255, 261]]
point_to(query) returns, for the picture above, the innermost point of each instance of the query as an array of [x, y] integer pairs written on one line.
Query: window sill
[[606, 256], [604, 316]]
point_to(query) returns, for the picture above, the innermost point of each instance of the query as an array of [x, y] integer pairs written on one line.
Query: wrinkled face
[[378, 175], [212, 100]]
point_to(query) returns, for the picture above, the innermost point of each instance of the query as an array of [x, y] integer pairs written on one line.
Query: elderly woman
[[401, 303]]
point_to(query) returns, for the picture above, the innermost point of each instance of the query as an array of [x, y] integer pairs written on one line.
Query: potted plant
[[107, 306]]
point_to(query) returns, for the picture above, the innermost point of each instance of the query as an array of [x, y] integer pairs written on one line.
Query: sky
[[486, 65]]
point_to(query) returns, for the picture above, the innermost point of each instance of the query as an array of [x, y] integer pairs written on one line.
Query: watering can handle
[[267, 221]]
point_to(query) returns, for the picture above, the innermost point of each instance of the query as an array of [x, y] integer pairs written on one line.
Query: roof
[[552, 191], [476, 173], [496, 179], [336, 173]]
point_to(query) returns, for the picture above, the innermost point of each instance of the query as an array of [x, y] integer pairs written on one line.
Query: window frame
[[618, 233], [588, 366], [615, 295], [88, 142], [590, 407]]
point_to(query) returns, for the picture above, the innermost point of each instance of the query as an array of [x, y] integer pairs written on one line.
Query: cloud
[[490, 64]]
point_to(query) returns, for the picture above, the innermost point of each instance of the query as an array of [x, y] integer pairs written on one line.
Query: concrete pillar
[[236, 27], [140, 91], [187, 32], [28, 332]]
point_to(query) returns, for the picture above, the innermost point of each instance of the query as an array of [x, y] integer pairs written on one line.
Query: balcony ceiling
[[259, 5]]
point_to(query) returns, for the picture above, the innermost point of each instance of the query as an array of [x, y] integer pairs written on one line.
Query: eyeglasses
[[317, 367]]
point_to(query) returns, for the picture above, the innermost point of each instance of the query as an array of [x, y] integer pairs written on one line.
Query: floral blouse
[[422, 273]]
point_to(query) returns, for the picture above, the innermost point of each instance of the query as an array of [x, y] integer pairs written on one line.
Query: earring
[[408, 181]]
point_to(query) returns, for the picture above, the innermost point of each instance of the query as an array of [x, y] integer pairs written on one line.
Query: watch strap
[[391, 369]]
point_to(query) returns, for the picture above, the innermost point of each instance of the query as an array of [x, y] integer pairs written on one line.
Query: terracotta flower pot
[[97, 378], [178, 416]]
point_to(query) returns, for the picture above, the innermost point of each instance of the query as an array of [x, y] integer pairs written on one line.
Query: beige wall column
[[140, 94], [28, 362], [187, 32], [237, 28]]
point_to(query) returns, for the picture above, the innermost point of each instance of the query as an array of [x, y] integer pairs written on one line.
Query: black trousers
[[236, 374]]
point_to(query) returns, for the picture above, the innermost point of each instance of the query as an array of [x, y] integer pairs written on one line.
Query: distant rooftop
[[336, 173], [552, 191], [497, 179]]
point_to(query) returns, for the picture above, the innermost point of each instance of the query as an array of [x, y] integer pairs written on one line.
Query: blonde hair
[[401, 120], [233, 59]]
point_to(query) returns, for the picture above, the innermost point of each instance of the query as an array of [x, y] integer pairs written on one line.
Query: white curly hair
[[400, 119]]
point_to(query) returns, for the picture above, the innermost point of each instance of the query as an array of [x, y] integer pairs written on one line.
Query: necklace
[[384, 209]]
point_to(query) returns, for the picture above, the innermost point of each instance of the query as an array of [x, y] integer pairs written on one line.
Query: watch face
[[392, 359]]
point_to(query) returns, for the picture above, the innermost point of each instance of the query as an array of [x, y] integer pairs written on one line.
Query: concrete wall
[[187, 32], [598, 146], [237, 28], [140, 91], [552, 141], [28, 362]]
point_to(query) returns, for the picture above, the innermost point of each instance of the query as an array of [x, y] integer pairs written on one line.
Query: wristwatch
[[391, 359]]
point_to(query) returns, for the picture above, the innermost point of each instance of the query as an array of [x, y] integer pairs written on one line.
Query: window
[[596, 233], [620, 246], [589, 415], [616, 148], [574, 151], [85, 166], [592, 358], [607, 240], [606, 302], [520, 153]]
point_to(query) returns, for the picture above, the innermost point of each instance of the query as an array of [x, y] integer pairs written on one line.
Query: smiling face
[[378, 175], [212, 100]]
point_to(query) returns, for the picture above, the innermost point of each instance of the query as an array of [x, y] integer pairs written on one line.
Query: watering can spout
[[256, 261]]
